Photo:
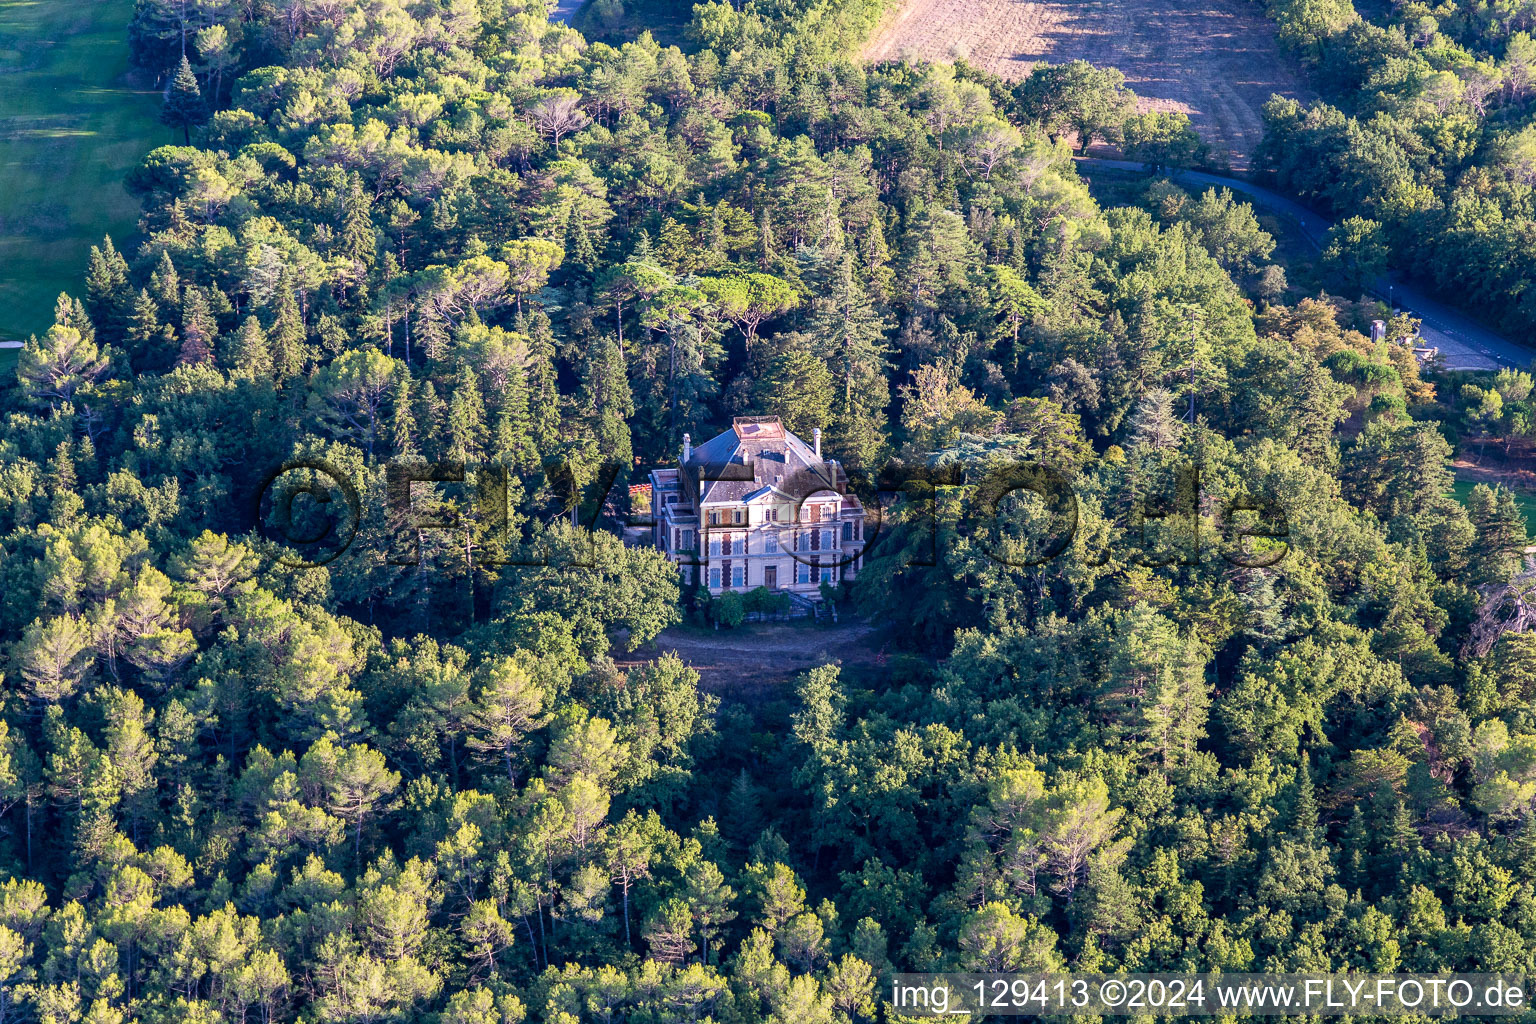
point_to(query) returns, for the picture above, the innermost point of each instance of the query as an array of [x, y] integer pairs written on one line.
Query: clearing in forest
[[756, 659], [1215, 60], [70, 127]]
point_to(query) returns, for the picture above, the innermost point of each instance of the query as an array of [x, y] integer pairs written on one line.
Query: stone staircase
[[819, 611], [801, 606]]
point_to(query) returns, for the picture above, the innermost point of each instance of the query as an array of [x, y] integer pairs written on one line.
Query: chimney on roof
[[816, 436], [687, 447]]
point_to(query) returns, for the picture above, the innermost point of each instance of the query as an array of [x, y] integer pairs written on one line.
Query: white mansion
[[730, 510]]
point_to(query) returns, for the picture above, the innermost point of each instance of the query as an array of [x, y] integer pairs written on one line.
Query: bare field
[[1215, 60], [758, 659]]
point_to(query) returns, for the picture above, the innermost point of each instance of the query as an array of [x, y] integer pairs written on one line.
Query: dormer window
[[761, 456]]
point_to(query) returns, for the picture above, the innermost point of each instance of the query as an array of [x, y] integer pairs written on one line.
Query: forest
[[1266, 707], [1424, 135]]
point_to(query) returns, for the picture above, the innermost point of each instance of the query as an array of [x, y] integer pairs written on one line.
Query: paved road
[[1464, 342]]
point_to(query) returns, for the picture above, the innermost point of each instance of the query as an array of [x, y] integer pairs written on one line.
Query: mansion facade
[[757, 507]]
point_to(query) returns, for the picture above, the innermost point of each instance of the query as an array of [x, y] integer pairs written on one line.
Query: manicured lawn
[[71, 126], [1461, 490]]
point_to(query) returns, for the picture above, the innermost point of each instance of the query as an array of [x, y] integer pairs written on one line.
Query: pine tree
[[642, 252], [359, 239], [632, 847], [53, 658], [466, 419], [431, 331], [675, 248], [61, 469], [249, 356], [485, 934], [69, 312], [1500, 538], [850, 336], [198, 328], [580, 254], [605, 401], [1017, 259], [356, 779], [285, 341], [150, 342], [709, 901], [1264, 621], [184, 104], [143, 322], [1354, 867], [766, 251], [795, 385], [543, 389], [508, 706], [714, 237], [743, 810], [875, 258], [85, 458], [1154, 423], [513, 442], [402, 424], [1401, 834], [165, 283], [106, 290], [1305, 825], [1521, 846], [430, 416]]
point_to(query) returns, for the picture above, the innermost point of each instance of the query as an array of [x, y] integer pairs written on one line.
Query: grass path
[[71, 126]]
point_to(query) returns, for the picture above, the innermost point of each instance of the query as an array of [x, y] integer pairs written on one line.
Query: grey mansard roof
[[755, 454]]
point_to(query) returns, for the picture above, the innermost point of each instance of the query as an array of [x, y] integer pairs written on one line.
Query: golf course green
[[71, 125], [1461, 490]]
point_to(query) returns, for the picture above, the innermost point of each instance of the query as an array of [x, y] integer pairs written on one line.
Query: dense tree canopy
[[1425, 130], [310, 592]]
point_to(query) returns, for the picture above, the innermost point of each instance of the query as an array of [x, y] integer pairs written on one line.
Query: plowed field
[[1216, 60]]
